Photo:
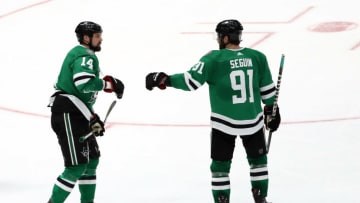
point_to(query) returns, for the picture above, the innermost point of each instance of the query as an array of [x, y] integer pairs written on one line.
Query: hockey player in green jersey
[[73, 116], [240, 84]]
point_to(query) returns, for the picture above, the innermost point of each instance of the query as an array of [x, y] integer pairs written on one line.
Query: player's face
[[96, 41]]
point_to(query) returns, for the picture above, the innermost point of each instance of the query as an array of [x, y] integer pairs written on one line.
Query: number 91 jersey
[[239, 81]]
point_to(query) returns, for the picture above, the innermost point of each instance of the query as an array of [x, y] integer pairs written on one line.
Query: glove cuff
[[167, 81], [164, 82], [108, 86]]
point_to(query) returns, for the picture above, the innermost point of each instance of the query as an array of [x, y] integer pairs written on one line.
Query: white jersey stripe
[[237, 131], [267, 96], [237, 122], [267, 87], [189, 79], [82, 81]]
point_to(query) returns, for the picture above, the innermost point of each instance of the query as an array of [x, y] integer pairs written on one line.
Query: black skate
[[257, 197]]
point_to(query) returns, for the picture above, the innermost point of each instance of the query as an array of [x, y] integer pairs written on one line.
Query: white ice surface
[[156, 148]]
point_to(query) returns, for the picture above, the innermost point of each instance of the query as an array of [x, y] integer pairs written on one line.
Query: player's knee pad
[[73, 173], [219, 167], [91, 167], [257, 162]]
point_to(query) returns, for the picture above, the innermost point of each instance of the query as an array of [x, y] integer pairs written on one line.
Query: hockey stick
[[83, 138], [276, 97]]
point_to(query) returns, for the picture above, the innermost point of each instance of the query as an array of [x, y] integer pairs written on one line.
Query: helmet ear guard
[[235, 38]]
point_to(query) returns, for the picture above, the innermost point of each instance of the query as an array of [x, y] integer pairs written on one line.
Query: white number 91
[[238, 83]]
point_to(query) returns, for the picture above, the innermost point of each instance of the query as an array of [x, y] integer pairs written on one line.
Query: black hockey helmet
[[87, 28], [231, 28], [226, 27]]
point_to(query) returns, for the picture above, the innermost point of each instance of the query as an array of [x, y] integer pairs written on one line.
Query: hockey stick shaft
[[109, 110], [83, 138], [276, 97]]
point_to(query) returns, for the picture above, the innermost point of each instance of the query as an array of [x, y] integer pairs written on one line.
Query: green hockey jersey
[[239, 82], [79, 75]]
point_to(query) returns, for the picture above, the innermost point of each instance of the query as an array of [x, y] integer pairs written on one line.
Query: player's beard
[[95, 48], [222, 45]]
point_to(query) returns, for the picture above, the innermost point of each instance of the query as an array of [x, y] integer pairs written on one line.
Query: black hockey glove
[[157, 79], [115, 86], [271, 123], [96, 125]]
